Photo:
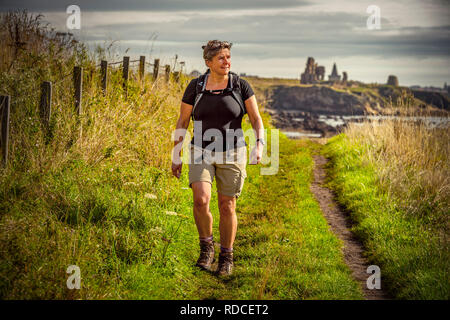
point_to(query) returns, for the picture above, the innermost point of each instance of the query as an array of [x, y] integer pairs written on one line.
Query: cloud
[[148, 5], [285, 35], [270, 37]]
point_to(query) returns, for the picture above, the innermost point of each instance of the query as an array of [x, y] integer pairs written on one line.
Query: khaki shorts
[[228, 168]]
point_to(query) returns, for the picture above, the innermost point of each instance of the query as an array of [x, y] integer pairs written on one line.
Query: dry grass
[[64, 198], [412, 162], [134, 128], [137, 129]]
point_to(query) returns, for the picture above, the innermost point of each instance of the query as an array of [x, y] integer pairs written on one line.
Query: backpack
[[234, 86]]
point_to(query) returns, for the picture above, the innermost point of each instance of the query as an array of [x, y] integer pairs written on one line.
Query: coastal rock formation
[[325, 100], [305, 122], [307, 108], [318, 100], [436, 99], [392, 81]]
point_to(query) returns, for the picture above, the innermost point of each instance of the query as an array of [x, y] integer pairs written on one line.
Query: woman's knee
[[202, 194], [201, 200], [227, 206]]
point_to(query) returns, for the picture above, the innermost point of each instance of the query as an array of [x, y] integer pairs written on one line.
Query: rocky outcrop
[[320, 100], [322, 108], [305, 108], [302, 121], [436, 99], [327, 100]]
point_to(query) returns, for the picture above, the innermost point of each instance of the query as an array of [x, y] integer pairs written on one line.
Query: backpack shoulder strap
[[235, 86], [199, 88]]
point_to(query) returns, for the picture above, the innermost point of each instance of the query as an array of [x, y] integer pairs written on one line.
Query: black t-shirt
[[218, 111]]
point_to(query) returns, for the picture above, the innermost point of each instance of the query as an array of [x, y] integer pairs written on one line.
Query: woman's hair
[[213, 47]]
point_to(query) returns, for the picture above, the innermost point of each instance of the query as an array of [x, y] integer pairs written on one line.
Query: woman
[[219, 109]]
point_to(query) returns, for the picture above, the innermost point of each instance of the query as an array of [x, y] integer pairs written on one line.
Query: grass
[[408, 243], [283, 249], [412, 163], [116, 223]]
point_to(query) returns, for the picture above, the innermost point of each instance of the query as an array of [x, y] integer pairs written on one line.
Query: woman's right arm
[[183, 124], [183, 120]]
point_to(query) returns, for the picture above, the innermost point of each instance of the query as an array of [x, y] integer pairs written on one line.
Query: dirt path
[[340, 224]]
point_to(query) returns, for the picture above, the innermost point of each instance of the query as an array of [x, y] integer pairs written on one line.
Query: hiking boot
[[225, 267], [206, 258]]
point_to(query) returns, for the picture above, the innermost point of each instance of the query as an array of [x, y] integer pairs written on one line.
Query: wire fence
[[45, 104], [131, 61]]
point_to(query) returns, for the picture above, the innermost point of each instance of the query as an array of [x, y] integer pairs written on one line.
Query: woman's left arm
[[257, 125]]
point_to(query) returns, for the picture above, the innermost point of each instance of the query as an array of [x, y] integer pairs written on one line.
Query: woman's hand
[[176, 169], [256, 154], [182, 123]]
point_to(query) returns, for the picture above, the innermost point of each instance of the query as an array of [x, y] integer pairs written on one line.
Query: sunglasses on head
[[218, 44]]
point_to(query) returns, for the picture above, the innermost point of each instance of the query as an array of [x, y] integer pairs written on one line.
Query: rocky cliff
[[326, 100], [320, 108], [436, 99], [317, 100]]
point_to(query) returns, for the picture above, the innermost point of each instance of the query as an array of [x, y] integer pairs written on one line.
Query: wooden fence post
[[141, 67], [5, 128], [126, 65], [45, 106], [167, 73], [78, 85], [176, 75], [104, 75], [182, 63], [155, 69]]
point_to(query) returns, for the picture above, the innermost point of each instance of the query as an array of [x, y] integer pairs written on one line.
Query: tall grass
[[412, 162], [33, 53], [96, 193]]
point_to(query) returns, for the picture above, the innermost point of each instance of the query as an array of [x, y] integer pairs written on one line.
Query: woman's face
[[221, 62]]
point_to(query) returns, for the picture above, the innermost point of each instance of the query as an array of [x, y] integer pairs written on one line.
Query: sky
[[270, 38]]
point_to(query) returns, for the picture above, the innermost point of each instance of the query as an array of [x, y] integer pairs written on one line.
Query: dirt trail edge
[[340, 224]]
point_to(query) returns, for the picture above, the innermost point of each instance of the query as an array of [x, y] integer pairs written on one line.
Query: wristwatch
[[260, 140]]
